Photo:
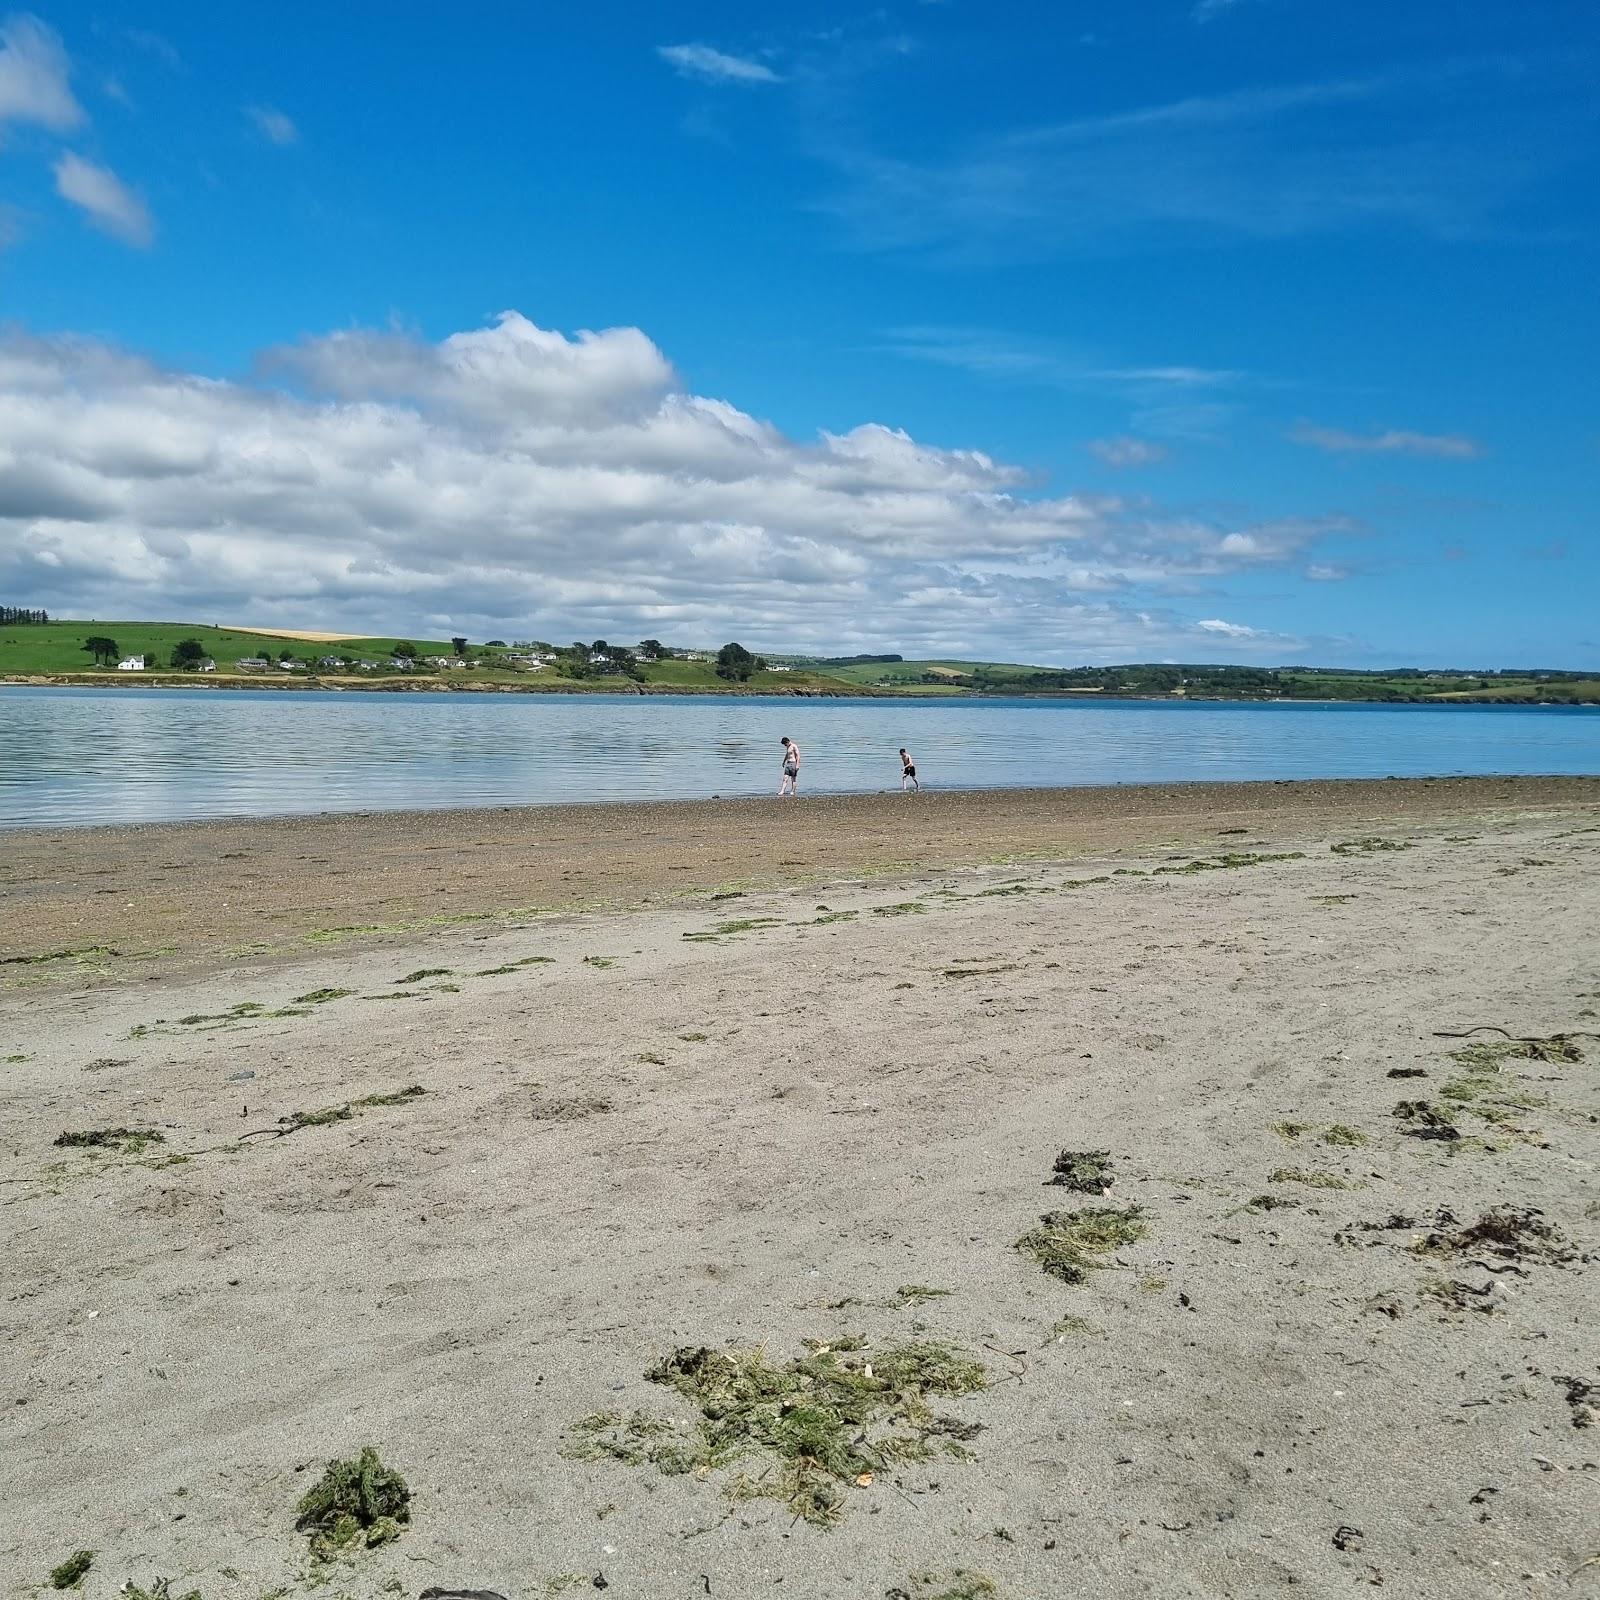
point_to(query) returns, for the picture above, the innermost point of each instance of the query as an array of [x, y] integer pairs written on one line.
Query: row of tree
[[21, 614]]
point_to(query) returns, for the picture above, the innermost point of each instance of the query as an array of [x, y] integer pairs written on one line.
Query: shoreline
[[191, 891], [324, 685]]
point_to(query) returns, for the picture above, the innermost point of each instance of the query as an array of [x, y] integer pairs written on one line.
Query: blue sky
[[1260, 330]]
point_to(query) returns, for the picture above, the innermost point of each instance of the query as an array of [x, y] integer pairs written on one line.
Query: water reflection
[[78, 756]]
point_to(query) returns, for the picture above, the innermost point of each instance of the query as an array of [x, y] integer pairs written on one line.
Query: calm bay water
[[85, 756]]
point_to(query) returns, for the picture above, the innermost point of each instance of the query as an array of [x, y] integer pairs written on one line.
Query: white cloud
[[1129, 452], [1326, 572], [1391, 442], [111, 205], [1229, 630], [34, 74], [275, 126], [715, 66], [513, 477]]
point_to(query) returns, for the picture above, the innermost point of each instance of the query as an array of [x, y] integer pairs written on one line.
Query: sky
[[1096, 330]]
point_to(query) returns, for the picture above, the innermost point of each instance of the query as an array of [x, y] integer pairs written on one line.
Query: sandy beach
[[732, 1077]]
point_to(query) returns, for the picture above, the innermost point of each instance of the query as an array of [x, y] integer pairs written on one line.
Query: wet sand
[[678, 1114], [189, 892]]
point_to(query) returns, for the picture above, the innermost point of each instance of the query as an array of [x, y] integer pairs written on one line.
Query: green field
[[57, 647]]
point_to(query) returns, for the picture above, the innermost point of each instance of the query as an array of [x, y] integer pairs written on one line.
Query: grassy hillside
[[57, 647], [910, 677]]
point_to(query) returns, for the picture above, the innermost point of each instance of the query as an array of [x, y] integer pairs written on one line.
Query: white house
[[131, 664], [205, 664], [251, 664]]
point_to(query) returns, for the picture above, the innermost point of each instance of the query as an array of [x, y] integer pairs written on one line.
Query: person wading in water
[[789, 783], [908, 771]]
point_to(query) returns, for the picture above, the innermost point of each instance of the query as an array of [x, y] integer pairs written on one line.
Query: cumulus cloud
[[107, 201], [715, 66], [514, 477], [34, 76], [1390, 442], [1129, 452], [275, 126]]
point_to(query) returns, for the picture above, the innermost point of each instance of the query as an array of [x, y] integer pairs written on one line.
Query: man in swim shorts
[[789, 783], [908, 771]]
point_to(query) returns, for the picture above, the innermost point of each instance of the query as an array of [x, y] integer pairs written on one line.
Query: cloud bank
[[509, 479]]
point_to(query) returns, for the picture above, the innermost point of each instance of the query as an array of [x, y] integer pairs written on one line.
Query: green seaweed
[[902, 908], [421, 973], [818, 1422], [514, 966], [1313, 1180], [71, 1573], [1353, 847], [296, 1120], [88, 952], [160, 1589], [321, 997], [1070, 1244], [357, 1504], [1085, 1171], [1231, 861], [125, 1141], [1338, 1133], [726, 930]]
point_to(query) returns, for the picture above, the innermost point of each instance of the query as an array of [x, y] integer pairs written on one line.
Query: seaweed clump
[[825, 1420], [1427, 1120], [125, 1141], [1086, 1171], [1512, 1233], [73, 1570], [1070, 1244], [355, 1505], [297, 1120]]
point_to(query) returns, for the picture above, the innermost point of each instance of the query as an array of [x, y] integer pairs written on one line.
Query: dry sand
[[664, 1135]]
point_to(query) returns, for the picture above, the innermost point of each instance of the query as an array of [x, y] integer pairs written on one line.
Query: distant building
[[400, 663], [205, 664], [779, 666], [131, 664], [367, 666], [330, 661], [252, 664], [291, 666]]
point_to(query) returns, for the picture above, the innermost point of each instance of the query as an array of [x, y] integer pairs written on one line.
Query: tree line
[[21, 614]]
